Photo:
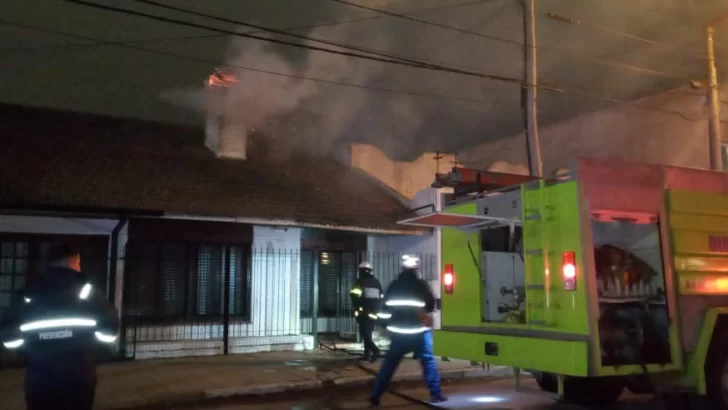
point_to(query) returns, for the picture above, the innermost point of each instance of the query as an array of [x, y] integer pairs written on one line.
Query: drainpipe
[[114, 255], [111, 285]]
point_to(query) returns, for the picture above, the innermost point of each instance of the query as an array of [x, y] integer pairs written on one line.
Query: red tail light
[[448, 279], [568, 270]]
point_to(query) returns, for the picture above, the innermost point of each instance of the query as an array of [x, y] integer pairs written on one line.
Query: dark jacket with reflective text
[[405, 302], [57, 321]]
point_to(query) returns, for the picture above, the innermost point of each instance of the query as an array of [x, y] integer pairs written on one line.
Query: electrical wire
[[346, 84], [206, 36], [297, 45], [276, 31], [261, 29], [381, 53], [569, 20], [567, 50], [251, 69], [428, 67]]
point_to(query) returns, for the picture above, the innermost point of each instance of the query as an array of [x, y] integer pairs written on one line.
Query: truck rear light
[[568, 270], [448, 279]]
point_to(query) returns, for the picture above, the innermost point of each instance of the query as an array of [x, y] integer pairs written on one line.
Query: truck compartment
[[501, 260], [630, 277]]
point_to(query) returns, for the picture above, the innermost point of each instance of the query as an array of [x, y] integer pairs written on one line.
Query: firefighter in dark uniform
[[408, 305], [57, 321], [366, 297]]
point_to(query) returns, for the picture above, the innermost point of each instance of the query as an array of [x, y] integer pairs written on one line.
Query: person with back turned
[[56, 321], [408, 305], [365, 299]]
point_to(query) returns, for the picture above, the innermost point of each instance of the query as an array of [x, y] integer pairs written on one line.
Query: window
[[305, 284], [23, 256], [212, 272], [157, 273], [184, 280], [337, 272], [14, 258]]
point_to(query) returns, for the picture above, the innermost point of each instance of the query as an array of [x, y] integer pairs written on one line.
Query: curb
[[274, 388]]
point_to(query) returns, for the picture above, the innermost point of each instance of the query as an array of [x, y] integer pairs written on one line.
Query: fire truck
[[604, 277]]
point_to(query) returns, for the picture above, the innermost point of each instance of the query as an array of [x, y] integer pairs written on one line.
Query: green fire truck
[[605, 277]]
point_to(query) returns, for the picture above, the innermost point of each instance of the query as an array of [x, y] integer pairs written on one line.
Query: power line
[[568, 20], [414, 60], [517, 43], [298, 45], [426, 67], [381, 53], [270, 72], [205, 36], [429, 23], [275, 31]]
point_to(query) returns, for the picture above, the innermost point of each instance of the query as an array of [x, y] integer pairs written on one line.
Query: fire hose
[[371, 372], [641, 322]]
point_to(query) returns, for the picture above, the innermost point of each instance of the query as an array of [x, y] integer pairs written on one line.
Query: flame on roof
[[220, 79]]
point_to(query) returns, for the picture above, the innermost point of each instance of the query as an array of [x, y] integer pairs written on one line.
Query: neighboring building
[[202, 255], [672, 130]]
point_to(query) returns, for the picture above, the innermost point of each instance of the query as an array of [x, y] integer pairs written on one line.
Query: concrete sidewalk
[[143, 383]]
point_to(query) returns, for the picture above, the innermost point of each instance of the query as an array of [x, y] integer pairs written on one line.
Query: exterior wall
[[275, 322], [621, 132], [426, 245], [276, 308], [406, 178]]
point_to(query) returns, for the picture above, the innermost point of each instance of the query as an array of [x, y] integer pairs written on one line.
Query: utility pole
[[714, 128], [533, 146]]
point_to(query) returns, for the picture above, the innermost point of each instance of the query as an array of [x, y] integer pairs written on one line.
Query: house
[[669, 128], [200, 254]]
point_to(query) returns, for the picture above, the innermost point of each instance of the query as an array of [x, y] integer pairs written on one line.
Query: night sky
[[51, 70]]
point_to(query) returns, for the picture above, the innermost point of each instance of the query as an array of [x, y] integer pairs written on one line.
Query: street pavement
[[498, 394], [149, 383]]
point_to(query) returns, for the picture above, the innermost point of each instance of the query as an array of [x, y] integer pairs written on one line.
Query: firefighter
[[56, 321], [408, 305], [365, 299]]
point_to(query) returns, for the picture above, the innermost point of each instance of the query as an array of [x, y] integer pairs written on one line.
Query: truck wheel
[[638, 385], [592, 391], [546, 382], [716, 370]]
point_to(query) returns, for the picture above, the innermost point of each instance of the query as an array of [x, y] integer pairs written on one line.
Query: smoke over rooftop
[[305, 115]]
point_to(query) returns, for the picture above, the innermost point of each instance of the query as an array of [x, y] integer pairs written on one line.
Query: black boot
[[438, 398]]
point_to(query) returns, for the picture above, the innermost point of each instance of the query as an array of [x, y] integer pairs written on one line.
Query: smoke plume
[[298, 114]]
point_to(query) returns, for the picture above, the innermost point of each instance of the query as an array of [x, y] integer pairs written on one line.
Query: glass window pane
[[7, 266], [7, 249], [6, 283], [21, 266], [5, 299], [18, 282]]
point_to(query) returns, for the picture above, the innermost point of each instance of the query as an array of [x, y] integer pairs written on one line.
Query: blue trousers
[[421, 345]]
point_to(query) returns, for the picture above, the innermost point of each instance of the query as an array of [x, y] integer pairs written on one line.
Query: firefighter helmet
[[410, 262]]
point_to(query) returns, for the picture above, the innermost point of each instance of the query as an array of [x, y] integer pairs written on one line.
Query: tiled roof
[[60, 159]]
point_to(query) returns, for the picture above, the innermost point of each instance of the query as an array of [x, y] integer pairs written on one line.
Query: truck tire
[[716, 369], [583, 391], [546, 382], [638, 385], [593, 391]]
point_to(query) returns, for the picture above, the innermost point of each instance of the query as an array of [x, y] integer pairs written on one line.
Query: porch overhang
[[458, 221]]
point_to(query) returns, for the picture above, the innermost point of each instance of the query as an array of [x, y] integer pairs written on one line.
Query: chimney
[[225, 134]]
